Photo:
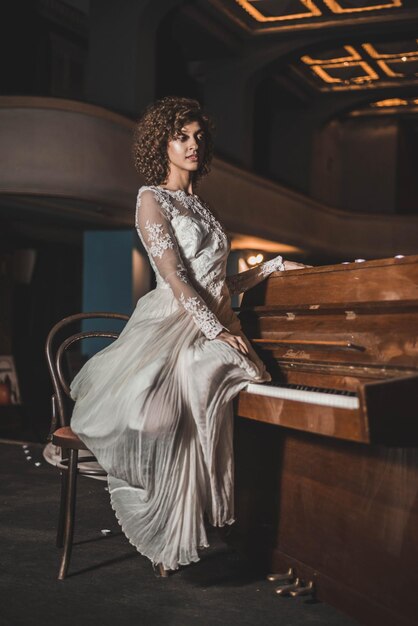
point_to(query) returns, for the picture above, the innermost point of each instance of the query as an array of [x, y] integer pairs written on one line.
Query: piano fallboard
[[387, 413]]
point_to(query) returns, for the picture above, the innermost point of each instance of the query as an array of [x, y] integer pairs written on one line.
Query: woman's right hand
[[235, 341]]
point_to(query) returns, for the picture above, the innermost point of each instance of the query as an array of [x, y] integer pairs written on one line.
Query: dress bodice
[[203, 244], [188, 250]]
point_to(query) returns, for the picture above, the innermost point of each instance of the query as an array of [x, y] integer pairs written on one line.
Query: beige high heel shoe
[[159, 570]]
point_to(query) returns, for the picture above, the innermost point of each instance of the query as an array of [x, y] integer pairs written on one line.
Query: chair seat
[[66, 438]]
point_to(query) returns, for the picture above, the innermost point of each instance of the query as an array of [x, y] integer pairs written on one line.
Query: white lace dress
[[155, 406]]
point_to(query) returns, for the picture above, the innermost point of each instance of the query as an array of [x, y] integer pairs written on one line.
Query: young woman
[[155, 406]]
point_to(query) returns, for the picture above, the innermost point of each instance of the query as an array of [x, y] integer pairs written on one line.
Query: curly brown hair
[[162, 122]]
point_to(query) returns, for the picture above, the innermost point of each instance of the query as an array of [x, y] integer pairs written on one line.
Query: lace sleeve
[[156, 233], [245, 280]]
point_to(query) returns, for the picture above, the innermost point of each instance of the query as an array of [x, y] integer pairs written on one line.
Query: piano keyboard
[[337, 398]]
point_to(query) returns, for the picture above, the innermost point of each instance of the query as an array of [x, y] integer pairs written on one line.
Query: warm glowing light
[[248, 6], [389, 105], [391, 64], [337, 8], [369, 73], [371, 50], [352, 55], [255, 259], [353, 59], [385, 59], [387, 70], [390, 102], [309, 8], [247, 242]]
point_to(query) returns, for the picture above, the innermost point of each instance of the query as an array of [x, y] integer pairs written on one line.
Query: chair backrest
[[55, 355]]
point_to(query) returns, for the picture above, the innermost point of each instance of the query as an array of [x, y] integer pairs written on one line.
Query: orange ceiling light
[[352, 55], [323, 67], [371, 50], [388, 71], [338, 7], [365, 64], [387, 59], [390, 102], [321, 71], [311, 10]]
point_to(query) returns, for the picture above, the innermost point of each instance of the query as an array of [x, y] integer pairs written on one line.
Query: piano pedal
[[286, 577], [304, 590], [287, 589]]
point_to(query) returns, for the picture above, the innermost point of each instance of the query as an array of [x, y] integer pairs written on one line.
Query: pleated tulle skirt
[[155, 408]]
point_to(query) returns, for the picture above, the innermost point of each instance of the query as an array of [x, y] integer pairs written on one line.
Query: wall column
[[121, 62], [229, 98]]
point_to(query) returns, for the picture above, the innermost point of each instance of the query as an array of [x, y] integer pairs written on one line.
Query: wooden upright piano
[[327, 453]]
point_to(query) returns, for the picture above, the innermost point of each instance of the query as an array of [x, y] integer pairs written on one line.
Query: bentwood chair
[[61, 434]]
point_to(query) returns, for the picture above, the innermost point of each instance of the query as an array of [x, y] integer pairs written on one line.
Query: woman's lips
[[192, 157]]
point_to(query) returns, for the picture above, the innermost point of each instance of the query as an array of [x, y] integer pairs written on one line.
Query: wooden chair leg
[[69, 513], [63, 500]]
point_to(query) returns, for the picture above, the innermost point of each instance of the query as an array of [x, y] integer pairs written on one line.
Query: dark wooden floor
[[110, 583]]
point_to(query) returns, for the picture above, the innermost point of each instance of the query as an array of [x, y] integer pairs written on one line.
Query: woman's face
[[187, 149]]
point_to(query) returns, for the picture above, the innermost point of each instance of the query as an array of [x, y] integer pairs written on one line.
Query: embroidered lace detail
[[202, 315], [158, 240], [169, 209], [234, 284], [213, 283], [197, 206], [245, 280], [273, 265], [182, 274], [217, 230], [185, 256]]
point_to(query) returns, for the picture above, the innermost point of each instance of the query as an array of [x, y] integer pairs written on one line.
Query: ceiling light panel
[[280, 10], [274, 12], [359, 6], [365, 65]]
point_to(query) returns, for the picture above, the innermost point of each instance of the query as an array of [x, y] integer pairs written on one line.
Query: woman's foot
[[159, 570]]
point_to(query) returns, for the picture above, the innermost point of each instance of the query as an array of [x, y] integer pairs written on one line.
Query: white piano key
[[309, 397]]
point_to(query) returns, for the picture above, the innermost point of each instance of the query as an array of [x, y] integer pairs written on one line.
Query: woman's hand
[[236, 341], [292, 265]]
